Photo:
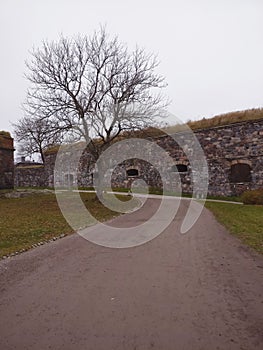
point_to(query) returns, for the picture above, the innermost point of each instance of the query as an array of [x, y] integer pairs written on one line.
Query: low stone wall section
[[30, 176]]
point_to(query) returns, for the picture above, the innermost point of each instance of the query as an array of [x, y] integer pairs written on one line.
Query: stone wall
[[234, 154], [6, 161], [30, 176], [226, 146]]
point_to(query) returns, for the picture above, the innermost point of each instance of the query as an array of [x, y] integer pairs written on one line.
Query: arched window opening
[[240, 172], [132, 172], [180, 168]]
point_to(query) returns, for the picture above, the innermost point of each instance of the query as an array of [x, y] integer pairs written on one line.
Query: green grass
[[159, 191], [30, 220], [226, 198], [244, 221], [27, 221]]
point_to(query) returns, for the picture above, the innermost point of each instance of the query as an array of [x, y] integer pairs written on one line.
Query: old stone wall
[[6, 161], [234, 155], [30, 176], [234, 148]]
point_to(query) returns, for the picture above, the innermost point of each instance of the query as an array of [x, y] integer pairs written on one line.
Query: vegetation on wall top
[[216, 121], [227, 118], [5, 133]]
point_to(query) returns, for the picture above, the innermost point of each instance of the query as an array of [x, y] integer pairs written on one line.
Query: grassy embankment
[[30, 220], [244, 221]]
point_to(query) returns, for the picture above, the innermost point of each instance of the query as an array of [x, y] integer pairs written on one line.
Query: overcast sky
[[211, 51]]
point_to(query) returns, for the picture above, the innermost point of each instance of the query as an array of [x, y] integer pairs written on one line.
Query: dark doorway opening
[[240, 172]]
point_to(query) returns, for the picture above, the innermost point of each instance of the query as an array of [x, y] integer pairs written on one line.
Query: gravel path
[[202, 290]]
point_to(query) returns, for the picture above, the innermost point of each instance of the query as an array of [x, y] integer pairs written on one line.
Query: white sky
[[211, 51]]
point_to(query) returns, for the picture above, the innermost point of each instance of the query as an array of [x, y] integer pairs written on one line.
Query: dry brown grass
[[228, 118], [5, 133], [219, 120]]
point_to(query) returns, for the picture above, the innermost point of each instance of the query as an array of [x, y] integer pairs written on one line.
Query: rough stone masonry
[[6, 161], [234, 154]]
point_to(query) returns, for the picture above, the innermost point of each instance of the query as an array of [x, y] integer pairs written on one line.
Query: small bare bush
[[253, 197]]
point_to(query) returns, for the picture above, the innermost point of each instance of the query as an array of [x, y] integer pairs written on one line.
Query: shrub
[[253, 197]]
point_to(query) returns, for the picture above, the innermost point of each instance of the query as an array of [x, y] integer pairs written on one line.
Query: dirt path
[[202, 290]]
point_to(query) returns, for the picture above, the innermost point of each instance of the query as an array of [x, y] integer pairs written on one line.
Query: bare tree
[[94, 86], [35, 135]]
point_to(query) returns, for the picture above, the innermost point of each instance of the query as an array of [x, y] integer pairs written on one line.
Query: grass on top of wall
[[227, 118], [204, 123], [5, 133]]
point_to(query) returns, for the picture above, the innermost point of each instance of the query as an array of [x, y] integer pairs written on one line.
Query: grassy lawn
[[37, 218], [30, 220], [244, 221]]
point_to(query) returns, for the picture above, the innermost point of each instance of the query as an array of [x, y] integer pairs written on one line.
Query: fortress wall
[[6, 161], [234, 155], [230, 149]]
